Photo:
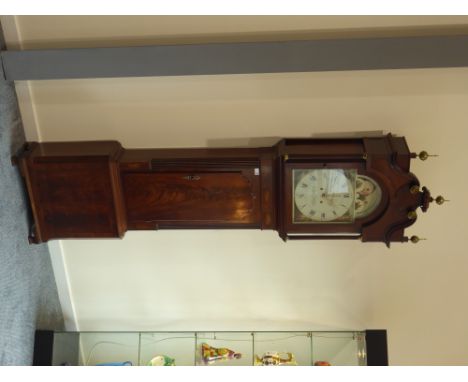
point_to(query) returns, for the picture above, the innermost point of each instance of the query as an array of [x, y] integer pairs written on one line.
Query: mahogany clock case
[[97, 189], [385, 159]]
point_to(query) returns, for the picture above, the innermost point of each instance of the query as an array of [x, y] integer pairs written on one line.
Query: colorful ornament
[[322, 363], [273, 358], [211, 354]]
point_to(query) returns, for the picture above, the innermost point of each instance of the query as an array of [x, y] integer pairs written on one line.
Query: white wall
[[242, 280]]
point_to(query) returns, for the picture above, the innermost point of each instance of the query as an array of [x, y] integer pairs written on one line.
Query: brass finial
[[415, 239], [423, 155], [412, 215], [441, 200]]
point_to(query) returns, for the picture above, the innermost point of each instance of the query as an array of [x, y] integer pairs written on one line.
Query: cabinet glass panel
[[66, 349], [109, 349], [282, 349], [339, 348], [167, 349], [242, 348], [224, 349]]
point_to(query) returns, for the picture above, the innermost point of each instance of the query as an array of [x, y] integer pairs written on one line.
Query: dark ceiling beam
[[239, 58]]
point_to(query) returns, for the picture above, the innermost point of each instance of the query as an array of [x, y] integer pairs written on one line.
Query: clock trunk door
[[195, 199]]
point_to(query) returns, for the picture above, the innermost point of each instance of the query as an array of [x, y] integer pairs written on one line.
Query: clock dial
[[323, 196]]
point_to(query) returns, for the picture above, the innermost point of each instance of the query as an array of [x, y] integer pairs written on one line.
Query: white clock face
[[324, 195]]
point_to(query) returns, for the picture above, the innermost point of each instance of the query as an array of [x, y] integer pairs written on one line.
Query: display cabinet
[[239, 348]]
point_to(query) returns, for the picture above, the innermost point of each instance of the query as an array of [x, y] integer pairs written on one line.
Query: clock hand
[[333, 183]]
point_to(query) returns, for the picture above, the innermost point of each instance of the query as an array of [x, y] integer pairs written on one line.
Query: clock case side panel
[[74, 189]]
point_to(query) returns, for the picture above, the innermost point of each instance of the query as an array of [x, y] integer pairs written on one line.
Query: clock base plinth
[[72, 195]]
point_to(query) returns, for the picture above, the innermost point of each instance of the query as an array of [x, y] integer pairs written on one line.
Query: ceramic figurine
[[162, 360], [273, 358], [211, 354]]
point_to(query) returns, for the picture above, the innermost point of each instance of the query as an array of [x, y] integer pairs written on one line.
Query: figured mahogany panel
[[187, 199], [75, 199], [74, 189]]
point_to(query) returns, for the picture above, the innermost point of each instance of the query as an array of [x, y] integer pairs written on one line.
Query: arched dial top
[[368, 196], [333, 195]]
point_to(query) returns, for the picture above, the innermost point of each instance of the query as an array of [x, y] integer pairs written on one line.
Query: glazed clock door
[[328, 199]]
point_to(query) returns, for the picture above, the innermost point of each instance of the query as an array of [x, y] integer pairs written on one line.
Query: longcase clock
[[359, 188]]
